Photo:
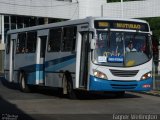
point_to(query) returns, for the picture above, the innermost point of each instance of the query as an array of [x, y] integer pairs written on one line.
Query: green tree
[[155, 26]]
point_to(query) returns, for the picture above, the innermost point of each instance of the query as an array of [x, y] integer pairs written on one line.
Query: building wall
[[134, 9], [90, 8], [73, 9], [43, 8]]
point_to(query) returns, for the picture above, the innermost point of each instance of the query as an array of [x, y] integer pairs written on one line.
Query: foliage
[[155, 26]]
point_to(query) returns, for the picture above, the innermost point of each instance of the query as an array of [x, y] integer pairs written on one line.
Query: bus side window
[[20, 46], [8, 44], [31, 42], [54, 40], [69, 39]]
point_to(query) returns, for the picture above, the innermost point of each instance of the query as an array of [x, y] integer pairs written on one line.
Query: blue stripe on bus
[[32, 77], [60, 65], [35, 72], [59, 60], [39, 67]]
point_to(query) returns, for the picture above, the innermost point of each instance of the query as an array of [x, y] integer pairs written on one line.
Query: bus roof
[[70, 22]]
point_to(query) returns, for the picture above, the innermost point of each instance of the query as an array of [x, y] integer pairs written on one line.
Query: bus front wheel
[[71, 93], [24, 87]]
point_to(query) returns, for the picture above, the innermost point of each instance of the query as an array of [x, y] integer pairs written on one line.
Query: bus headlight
[[99, 74], [147, 75]]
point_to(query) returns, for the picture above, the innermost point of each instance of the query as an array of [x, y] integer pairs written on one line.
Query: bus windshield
[[122, 49]]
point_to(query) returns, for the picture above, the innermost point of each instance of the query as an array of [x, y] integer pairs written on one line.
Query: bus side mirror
[[93, 44]]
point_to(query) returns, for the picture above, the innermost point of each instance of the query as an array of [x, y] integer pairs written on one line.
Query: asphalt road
[[47, 104]]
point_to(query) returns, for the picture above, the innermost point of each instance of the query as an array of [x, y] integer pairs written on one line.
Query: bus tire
[[71, 93], [24, 87]]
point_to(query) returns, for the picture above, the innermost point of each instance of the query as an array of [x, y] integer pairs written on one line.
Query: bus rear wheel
[[24, 87]]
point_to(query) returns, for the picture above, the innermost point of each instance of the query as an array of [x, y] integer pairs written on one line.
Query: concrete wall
[[43, 8], [90, 8], [134, 9], [80, 8]]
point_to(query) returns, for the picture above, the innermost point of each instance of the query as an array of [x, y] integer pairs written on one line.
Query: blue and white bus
[[91, 54]]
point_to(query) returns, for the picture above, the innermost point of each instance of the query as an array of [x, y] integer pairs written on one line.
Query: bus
[[90, 54]]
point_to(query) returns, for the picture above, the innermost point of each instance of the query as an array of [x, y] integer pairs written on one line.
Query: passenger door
[[84, 59], [41, 53]]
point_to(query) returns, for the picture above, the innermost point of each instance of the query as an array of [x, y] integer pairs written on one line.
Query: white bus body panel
[[144, 68]]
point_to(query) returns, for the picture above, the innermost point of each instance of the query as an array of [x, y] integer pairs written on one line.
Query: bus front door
[[84, 60]]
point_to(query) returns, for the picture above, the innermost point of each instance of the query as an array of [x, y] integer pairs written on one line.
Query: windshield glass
[[124, 49]]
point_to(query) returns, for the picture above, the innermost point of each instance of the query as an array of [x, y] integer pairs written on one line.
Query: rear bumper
[[97, 84]]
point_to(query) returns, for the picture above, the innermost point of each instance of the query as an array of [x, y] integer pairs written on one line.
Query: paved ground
[[47, 104]]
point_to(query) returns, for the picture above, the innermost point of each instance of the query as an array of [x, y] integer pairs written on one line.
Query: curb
[[153, 93]]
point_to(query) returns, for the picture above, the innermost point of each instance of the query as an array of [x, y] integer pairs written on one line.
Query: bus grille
[[125, 87], [124, 73]]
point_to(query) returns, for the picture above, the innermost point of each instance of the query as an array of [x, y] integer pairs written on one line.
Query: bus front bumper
[[98, 84]]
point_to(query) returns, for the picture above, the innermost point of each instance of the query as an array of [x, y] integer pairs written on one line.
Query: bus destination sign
[[129, 25], [103, 24]]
